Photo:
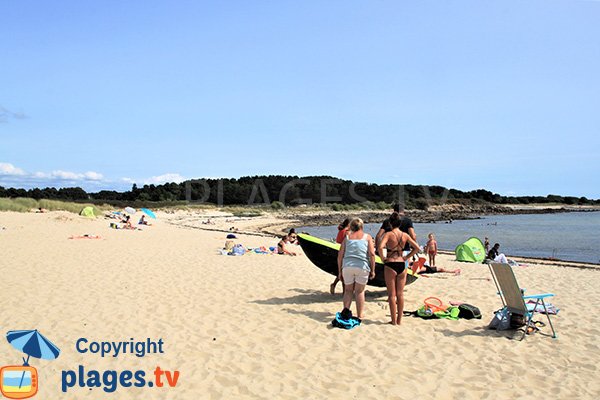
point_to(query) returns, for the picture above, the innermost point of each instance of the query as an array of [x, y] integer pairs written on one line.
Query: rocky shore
[[443, 213]]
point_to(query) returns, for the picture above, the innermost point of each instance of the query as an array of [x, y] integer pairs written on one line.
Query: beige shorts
[[352, 274]]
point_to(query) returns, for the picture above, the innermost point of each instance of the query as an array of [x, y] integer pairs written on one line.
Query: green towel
[[450, 313]]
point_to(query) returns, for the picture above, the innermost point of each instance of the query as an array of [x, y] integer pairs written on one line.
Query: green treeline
[[289, 190]]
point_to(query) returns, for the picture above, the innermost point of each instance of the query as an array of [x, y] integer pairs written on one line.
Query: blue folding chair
[[513, 297]]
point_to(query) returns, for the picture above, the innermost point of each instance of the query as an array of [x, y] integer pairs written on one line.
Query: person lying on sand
[[422, 267]]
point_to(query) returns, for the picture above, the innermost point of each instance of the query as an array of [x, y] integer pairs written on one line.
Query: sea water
[[573, 236]]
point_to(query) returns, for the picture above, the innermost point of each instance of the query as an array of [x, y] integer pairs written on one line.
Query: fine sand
[[258, 326]]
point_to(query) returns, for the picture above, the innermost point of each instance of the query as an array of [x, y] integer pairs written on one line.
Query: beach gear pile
[[233, 249], [434, 308], [124, 219], [115, 225], [504, 319], [85, 236]]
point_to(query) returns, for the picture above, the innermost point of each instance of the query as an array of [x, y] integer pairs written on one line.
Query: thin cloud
[[156, 180], [7, 169], [69, 176], [13, 176], [6, 115], [164, 178]]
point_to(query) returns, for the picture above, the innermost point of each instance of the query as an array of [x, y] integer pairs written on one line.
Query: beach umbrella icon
[[34, 344], [148, 213]]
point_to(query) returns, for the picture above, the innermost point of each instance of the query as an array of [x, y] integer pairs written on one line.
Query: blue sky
[[500, 95]]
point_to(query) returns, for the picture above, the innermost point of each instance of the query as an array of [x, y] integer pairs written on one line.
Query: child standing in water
[[431, 248]]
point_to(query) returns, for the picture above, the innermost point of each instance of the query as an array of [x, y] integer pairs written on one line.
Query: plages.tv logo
[[21, 381]]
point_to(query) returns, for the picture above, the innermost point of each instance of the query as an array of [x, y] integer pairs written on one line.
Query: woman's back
[[356, 254], [395, 243]]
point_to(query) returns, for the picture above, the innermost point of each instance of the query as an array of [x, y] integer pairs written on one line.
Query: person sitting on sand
[[495, 254], [127, 223], [282, 246], [396, 263], [431, 249], [356, 264], [341, 235]]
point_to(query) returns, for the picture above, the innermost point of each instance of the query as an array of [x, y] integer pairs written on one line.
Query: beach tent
[[470, 251], [87, 212]]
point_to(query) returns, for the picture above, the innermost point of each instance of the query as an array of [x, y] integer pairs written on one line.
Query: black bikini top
[[399, 245]]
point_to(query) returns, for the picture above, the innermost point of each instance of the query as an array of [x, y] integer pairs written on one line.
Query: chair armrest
[[538, 296]]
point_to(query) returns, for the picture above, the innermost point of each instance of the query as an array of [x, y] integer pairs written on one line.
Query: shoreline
[[275, 224]]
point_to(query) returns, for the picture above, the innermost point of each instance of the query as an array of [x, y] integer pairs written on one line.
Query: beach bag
[[238, 250], [468, 311], [501, 320], [424, 312]]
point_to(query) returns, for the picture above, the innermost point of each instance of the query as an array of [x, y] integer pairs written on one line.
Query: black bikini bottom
[[397, 266]]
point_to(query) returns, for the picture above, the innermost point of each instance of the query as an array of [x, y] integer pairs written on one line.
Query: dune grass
[[21, 204]]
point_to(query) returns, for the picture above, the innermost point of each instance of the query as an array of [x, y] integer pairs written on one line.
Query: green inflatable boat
[[324, 255]]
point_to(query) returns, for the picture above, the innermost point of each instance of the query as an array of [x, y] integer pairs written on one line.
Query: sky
[[501, 95]]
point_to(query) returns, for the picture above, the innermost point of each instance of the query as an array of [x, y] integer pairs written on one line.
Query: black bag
[[517, 320], [468, 311]]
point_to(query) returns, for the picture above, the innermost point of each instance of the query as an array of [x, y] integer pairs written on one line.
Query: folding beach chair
[[514, 299]]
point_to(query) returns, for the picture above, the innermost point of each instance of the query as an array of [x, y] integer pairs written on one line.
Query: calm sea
[[566, 236]]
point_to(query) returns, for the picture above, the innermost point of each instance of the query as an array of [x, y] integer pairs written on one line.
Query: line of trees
[[289, 190]]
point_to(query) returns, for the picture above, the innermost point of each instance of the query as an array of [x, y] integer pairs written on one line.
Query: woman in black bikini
[[396, 265]]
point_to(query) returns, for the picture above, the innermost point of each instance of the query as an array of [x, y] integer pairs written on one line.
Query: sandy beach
[[258, 326]]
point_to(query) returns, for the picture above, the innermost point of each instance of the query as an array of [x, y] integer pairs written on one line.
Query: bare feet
[[457, 272]]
